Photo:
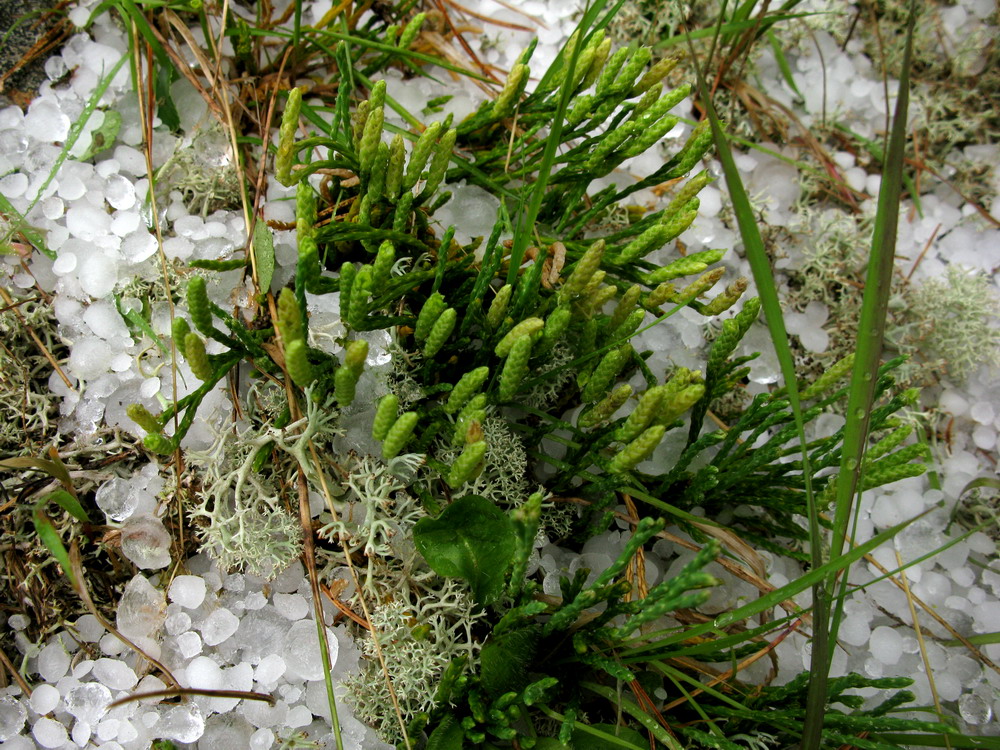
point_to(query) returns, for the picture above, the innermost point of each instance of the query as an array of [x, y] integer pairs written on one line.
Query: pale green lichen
[[28, 408], [414, 659], [241, 516], [203, 173], [951, 324]]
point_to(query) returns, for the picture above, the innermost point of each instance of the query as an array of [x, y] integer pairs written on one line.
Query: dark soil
[[30, 32]]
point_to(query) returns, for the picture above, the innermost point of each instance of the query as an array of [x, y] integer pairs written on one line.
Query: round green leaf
[[471, 539]]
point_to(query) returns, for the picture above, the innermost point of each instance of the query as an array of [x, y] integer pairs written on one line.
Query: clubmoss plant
[[500, 349]]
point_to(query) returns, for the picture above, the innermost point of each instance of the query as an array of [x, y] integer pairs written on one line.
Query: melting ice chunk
[[183, 723], [974, 709], [141, 609], [12, 717], [116, 499], [218, 626], [146, 542], [88, 702]]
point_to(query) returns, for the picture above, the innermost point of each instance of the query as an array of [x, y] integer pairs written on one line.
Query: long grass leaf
[[871, 335], [768, 292]]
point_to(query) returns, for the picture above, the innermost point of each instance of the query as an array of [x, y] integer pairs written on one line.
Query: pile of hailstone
[[215, 629]]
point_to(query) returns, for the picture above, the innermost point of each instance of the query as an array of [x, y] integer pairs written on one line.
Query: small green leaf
[[50, 538], [166, 110], [447, 735], [51, 468], [506, 660], [136, 320], [104, 136], [471, 539], [263, 249], [599, 740], [68, 503]]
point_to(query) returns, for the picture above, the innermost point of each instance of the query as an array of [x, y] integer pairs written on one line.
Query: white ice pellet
[[948, 686], [218, 626], [11, 117], [45, 121], [954, 403], [115, 674], [44, 698], [986, 614], [270, 669], [104, 320], [299, 716], [962, 576], [189, 644], [86, 221], [982, 412], [981, 543], [64, 264], [89, 628], [138, 246], [130, 160], [855, 630], [71, 188], [49, 733], [122, 362], [301, 651], [262, 739], [255, 600], [178, 248], [292, 606], [107, 730], [119, 192], [82, 668], [933, 589], [98, 275], [204, 674], [14, 185], [53, 208], [183, 723], [53, 661], [984, 436], [192, 227], [177, 623], [124, 223], [886, 644], [188, 591]]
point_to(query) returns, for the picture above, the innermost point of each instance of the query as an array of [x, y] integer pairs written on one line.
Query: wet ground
[[30, 30]]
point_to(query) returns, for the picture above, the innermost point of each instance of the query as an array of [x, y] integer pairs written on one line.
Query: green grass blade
[[783, 66], [871, 335], [69, 504], [48, 536], [874, 308], [636, 713], [19, 224], [768, 292]]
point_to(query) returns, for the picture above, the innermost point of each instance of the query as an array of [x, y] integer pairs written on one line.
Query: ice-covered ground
[[220, 630]]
